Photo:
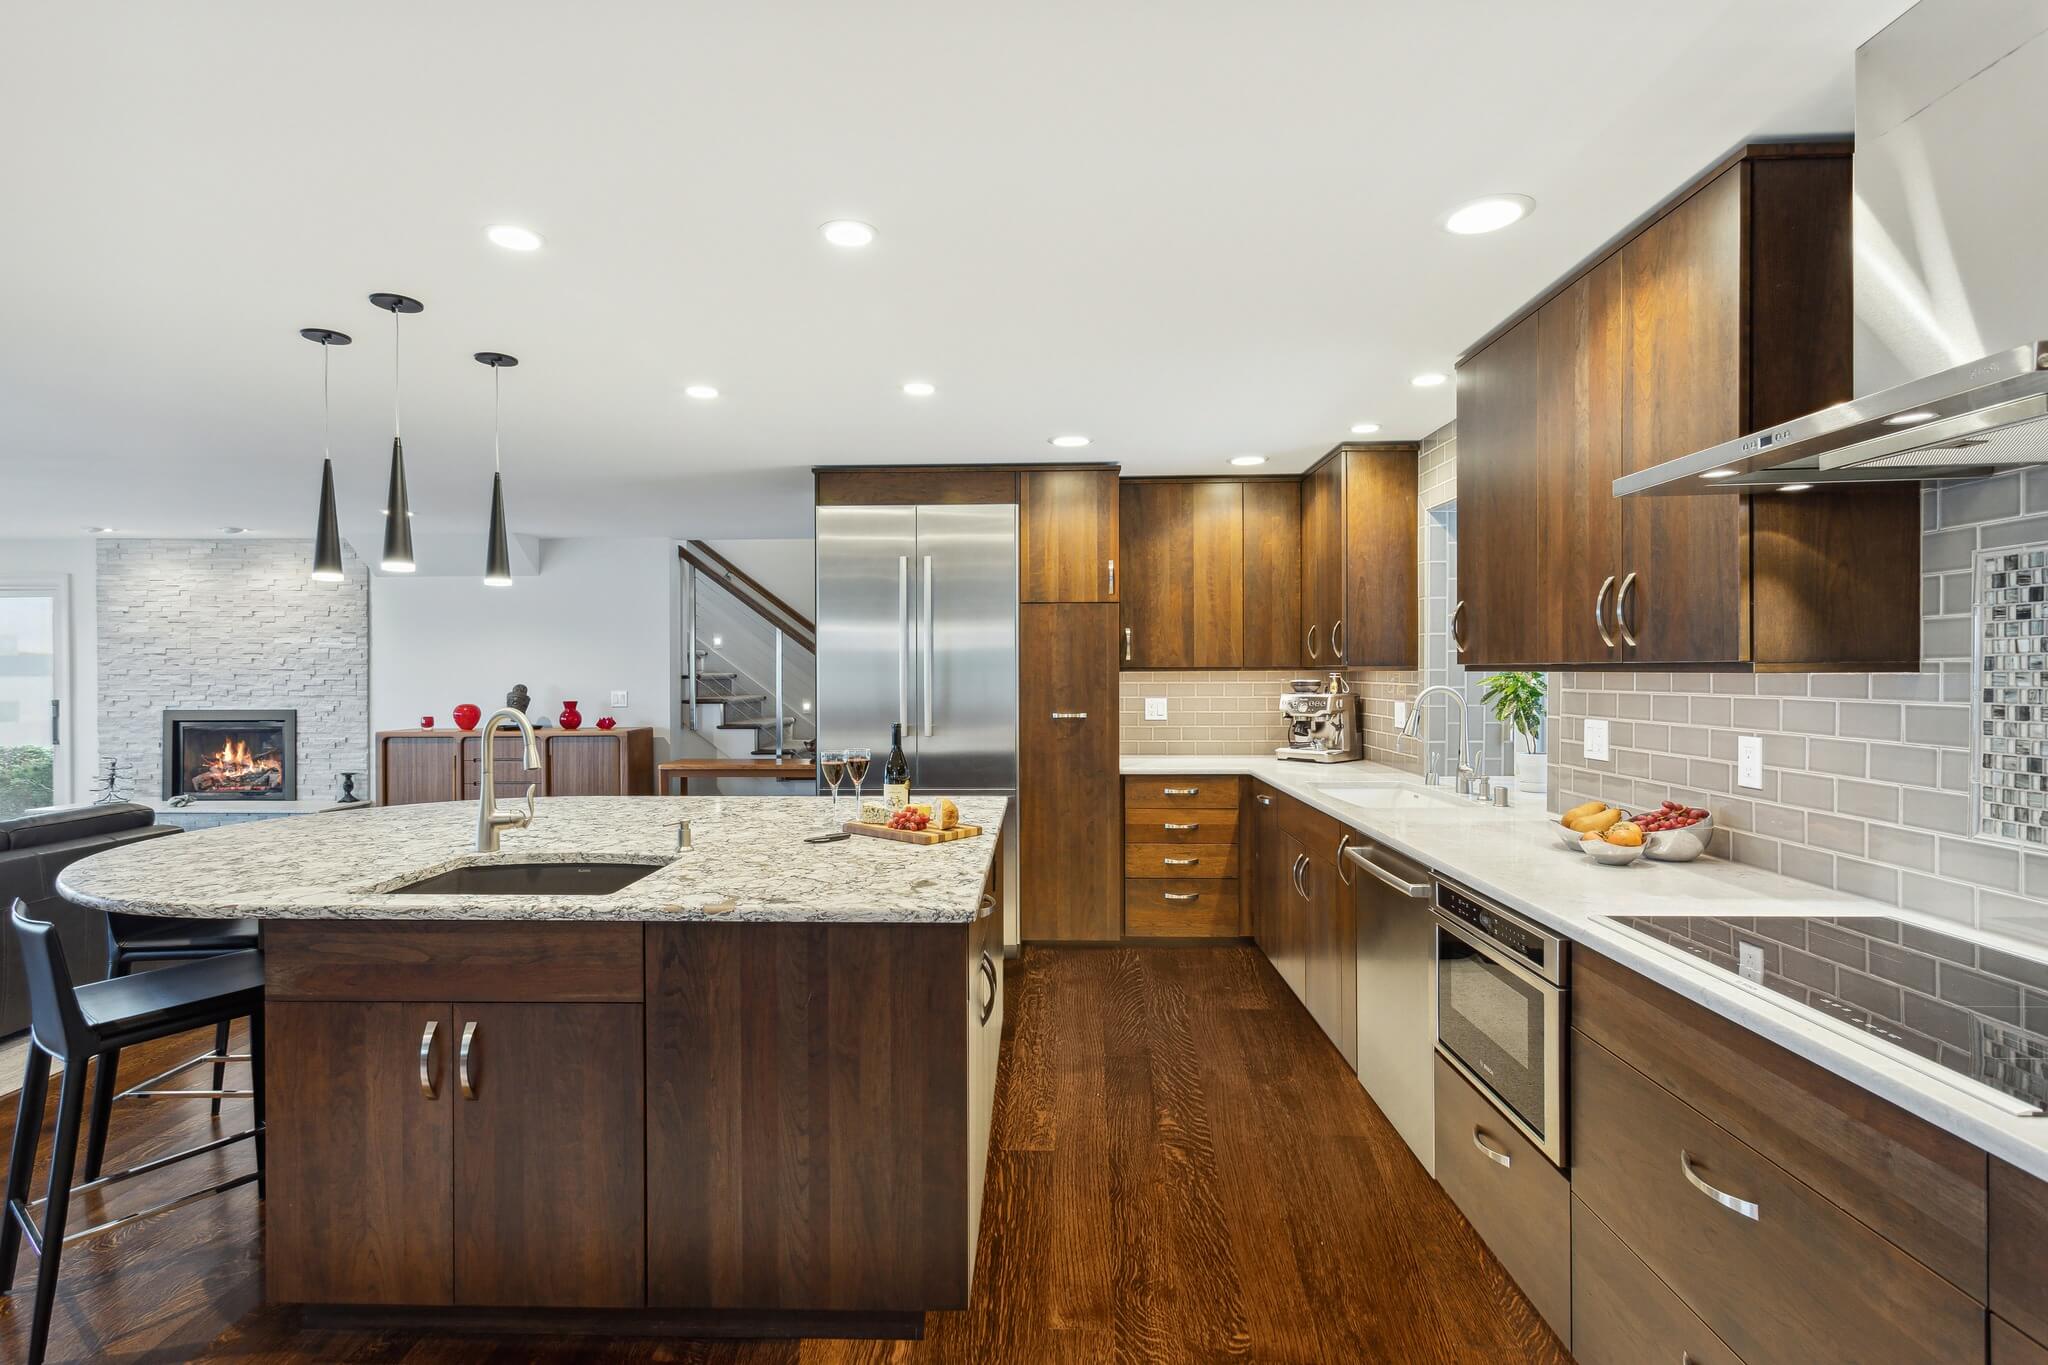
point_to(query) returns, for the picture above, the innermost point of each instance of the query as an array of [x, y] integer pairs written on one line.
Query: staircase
[[745, 647]]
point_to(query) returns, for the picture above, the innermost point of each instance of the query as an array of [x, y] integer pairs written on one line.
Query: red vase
[[571, 718], [605, 722], [467, 715]]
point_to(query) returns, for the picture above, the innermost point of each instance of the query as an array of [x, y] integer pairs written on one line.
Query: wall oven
[[1500, 1011]]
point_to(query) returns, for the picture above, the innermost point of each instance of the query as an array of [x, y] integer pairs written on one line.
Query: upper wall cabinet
[[1067, 536], [1727, 312], [1183, 597], [1358, 587]]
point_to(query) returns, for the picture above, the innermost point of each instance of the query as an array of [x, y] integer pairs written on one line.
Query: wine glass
[[832, 767], [857, 768]]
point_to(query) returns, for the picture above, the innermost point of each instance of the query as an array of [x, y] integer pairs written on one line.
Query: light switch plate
[[1596, 739], [1749, 762], [1155, 708], [1749, 957], [1400, 714], [620, 697]]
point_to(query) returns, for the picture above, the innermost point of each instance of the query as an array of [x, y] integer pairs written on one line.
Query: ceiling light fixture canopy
[[397, 556], [1429, 379], [1246, 461], [1489, 214], [1364, 428], [514, 238], [498, 556], [847, 232], [919, 388], [701, 392], [1069, 442], [326, 525]]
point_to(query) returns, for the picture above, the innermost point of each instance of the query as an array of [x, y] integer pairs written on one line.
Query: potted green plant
[[1517, 702]]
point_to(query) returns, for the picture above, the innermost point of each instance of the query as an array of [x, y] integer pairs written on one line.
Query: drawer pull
[[1498, 1156], [1180, 791], [1744, 1207], [1180, 862], [1183, 828], [1182, 897], [1264, 799]]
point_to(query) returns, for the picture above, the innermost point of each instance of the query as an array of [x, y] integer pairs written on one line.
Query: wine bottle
[[896, 772]]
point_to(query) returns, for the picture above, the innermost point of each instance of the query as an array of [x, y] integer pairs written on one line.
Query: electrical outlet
[[1596, 739], [1155, 708], [1749, 761], [1750, 958], [620, 697], [1400, 714]]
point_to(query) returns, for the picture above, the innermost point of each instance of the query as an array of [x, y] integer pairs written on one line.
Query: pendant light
[[498, 558], [397, 513], [327, 529]]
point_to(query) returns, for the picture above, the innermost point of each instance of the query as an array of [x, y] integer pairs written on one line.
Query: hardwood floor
[[1183, 1169]]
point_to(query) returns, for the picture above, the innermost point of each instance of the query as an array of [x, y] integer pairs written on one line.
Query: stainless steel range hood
[[1966, 423]]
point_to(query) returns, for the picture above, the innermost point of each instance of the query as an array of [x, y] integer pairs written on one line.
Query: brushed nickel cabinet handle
[[1343, 842], [985, 975], [1112, 578], [1313, 652], [1621, 607], [1496, 1155], [1337, 640], [1264, 799], [1182, 827], [1600, 611], [1457, 624], [1070, 715], [462, 1058], [428, 1087], [1180, 791], [1180, 862], [1747, 1208], [1127, 644], [1299, 889], [1182, 897]]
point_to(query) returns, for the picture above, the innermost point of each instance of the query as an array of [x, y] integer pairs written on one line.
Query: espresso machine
[[1322, 721]]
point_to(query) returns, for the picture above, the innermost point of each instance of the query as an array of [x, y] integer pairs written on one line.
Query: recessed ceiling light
[[1907, 419], [704, 391], [1793, 487], [234, 530], [99, 530], [1069, 442], [918, 388], [1247, 459], [1364, 428], [847, 232], [1720, 473], [1427, 380], [1490, 214], [514, 238]]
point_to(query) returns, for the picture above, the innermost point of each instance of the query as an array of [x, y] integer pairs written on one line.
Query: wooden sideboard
[[441, 765]]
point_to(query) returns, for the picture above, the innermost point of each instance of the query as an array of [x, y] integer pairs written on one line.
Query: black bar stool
[[136, 939], [76, 1025]]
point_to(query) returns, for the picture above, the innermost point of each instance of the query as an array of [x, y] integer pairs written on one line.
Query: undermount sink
[[529, 879], [1396, 798]]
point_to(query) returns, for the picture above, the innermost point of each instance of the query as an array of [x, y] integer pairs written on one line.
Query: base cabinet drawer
[[1142, 826], [1774, 1269], [1180, 908], [1518, 1202], [2011, 1346], [1180, 860], [1182, 793], [1622, 1314]]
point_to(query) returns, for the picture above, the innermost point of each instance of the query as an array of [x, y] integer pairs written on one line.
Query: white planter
[[1531, 770]]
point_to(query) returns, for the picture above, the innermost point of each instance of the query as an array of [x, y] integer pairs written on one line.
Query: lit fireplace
[[220, 755]]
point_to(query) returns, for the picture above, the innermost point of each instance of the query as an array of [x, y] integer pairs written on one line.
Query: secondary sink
[[1395, 798], [529, 879]]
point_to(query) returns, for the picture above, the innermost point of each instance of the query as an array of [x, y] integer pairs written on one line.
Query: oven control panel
[[1509, 931]]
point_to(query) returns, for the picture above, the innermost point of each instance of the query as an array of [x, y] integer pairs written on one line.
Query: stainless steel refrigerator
[[917, 624]]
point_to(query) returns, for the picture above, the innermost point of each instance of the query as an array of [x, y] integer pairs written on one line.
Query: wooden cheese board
[[914, 836]]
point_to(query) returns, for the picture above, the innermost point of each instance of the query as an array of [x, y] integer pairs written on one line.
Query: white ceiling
[[1188, 231]]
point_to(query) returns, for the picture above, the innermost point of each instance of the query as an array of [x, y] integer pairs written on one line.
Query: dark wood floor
[[1182, 1170]]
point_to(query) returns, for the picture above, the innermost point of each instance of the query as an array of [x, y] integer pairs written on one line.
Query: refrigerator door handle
[[903, 640], [927, 645]]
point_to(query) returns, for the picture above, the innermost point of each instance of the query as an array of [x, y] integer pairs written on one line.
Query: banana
[[1596, 824], [1581, 812]]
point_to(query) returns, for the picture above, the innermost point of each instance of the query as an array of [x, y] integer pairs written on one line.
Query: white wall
[[72, 559], [600, 615], [787, 568]]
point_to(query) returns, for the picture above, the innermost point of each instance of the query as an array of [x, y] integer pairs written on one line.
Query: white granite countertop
[[1514, 857], [749, 862]]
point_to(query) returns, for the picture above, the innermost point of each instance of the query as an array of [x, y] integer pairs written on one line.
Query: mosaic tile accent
[[2011, 755]]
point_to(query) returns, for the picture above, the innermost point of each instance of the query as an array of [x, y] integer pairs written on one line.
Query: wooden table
[[681, 770]]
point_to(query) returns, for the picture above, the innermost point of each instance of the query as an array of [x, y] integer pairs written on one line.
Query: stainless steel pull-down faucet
[[488, 819]]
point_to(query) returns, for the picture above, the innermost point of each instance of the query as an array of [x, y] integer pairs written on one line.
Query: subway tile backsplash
[[1220, 712]]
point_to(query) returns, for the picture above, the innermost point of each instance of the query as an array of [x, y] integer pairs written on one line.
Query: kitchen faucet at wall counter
[[488, 818], [1413, 728]]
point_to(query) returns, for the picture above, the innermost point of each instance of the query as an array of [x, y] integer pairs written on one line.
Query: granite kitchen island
[[747, 1091]]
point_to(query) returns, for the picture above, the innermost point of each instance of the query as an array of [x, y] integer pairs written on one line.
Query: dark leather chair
[[77, 1025]]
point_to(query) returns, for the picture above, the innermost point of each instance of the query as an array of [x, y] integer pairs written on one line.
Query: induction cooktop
[[1965, 1011]]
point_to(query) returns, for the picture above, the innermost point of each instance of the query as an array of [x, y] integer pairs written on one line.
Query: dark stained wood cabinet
[[1330, 952], [414, 766], [2019, 1249], [1322, 558], [1069, 839], [1303, 917], [1358, 585], [2011, 1346], [1067, 536], [1183, 593], [1621, 1313], [1163, 826], [1272, 574], [1726, 312], [1276, 916]]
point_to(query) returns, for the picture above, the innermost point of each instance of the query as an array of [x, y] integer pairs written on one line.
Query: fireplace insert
[[231, 755]]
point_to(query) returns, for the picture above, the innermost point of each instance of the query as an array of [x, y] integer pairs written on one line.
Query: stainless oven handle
[[1497, 1155], [1747, 1208], [1493, 953], [1413, 890]]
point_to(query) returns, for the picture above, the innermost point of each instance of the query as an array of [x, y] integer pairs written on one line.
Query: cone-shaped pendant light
[[397, 512], [327, 529], [498, 557]]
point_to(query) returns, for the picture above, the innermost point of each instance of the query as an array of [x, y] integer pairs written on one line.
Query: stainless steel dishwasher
[[1396, 977]]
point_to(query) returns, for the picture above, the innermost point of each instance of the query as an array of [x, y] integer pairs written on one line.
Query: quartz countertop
[[749, 861], [1514, 856]]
